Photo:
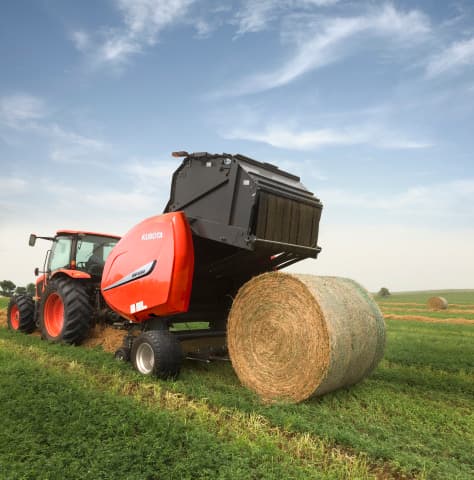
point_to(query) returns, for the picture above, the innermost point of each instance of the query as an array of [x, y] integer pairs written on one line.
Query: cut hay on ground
[[110, 339], [3, 318], [437, 303], [408, 311], [291, 337], [421, 318]]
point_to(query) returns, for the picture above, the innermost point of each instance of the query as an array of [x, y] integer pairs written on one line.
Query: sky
[[371, 103]]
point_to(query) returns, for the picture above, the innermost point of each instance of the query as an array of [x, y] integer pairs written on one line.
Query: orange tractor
[[68, 301]]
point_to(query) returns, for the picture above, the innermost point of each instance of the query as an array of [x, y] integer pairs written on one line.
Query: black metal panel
[[247, 218]]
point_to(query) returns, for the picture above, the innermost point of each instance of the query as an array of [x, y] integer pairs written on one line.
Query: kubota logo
[[152, 235]]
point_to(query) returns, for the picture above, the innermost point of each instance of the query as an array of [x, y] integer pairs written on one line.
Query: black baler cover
[[238, 201]]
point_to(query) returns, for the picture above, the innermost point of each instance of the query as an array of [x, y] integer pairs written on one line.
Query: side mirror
[[32, 240], [37, 271]]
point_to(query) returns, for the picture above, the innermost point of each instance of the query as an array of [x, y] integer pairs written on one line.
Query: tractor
[[67, 301]]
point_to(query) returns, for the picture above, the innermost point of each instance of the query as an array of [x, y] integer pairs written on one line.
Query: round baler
[[203, 279]]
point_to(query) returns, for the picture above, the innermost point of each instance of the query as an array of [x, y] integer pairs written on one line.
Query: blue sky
[[370, 102]]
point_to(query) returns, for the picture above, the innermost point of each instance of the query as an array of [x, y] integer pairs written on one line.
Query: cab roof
[[82, 232]]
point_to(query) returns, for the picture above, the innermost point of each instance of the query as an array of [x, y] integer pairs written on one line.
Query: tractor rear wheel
[[21, 314], [158, 353], [65, 311]]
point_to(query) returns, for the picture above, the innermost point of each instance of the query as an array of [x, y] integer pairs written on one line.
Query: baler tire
[[158, 353], [21, 314], [65, 312]]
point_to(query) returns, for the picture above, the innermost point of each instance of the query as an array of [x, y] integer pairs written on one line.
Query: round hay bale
[[291, 337], [437, 303]]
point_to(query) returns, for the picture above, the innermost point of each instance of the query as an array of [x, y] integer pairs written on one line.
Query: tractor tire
[[158, 353], [21, 314], [65, 312]]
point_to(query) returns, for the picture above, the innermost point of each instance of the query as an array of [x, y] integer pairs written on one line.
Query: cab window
[[60, 253], [92, 252]]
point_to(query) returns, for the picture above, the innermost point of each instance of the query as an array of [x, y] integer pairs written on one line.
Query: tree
[[20, 291], [30, 289], [383, 292], [7, 288]]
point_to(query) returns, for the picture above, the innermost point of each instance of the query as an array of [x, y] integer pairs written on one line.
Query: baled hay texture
[[291, 337], [437, 303]]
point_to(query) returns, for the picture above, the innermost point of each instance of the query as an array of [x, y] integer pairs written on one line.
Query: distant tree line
[[8, 288]]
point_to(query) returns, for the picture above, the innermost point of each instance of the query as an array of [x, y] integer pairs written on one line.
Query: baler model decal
[[152, 236], [138, 273]]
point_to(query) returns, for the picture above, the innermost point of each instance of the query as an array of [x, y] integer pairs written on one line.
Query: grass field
[[76, 410]]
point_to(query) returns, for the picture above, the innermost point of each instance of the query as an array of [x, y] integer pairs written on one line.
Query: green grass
[[413, 416], [452, 296], [4, 302]]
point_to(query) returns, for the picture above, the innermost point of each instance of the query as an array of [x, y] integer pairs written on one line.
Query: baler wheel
[[158, 353], [21, 314], [122, 354], [65, 311]]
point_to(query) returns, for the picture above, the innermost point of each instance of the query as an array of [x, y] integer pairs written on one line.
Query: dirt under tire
[[21, 314], [65, 312], [158, 353]]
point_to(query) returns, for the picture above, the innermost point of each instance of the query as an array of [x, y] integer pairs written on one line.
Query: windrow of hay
[[291, 337], [421, 318], [3, 318], [437, 303], [109, 338]]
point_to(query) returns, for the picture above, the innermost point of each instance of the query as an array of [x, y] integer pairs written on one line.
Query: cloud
[[30, 115], [17, 109], [399, 257], [334, 39], [280, 136], [452, 59], [453, 199], [151, 176], [143, 20], [81, 40], [256, 16], [11, 186]]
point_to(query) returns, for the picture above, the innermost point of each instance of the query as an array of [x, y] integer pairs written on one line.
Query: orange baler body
[[150, 270]]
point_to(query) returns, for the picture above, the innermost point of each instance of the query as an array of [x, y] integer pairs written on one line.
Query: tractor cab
[[73, 252]]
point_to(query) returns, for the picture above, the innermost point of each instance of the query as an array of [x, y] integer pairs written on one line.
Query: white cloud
[[81, 40], [151, 176], [143, 20], [257, 16], [20, 108], [281, 136], [29, 115], [11, 186], [398, 257], [450, 200], [334, 39], [454, 58]]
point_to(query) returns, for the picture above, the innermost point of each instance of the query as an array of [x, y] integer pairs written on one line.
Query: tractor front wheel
[[158, 353], [21, 314], [65, 311]]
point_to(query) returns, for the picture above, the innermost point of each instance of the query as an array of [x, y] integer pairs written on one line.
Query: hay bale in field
[[437, 303], [291, 337]]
